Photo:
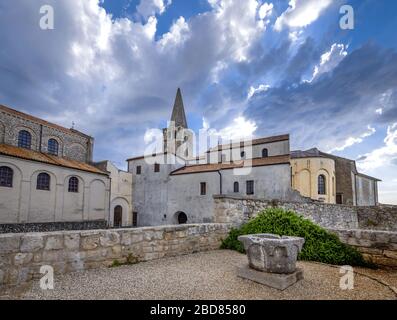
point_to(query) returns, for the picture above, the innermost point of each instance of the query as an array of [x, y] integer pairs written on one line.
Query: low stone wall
[[52, 226], [382, 217], [379, 247], [22, 255], [237, 210]]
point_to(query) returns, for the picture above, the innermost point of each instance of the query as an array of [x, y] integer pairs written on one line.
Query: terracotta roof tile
[[257, 162], [27, 154]]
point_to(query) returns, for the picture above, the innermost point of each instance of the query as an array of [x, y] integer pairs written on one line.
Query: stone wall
[[52, 226], [237, 210], [380, 247], [382, 217], [22, 255]]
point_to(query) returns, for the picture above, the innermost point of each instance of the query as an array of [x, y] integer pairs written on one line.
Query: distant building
[[47, 175], [325, 177]]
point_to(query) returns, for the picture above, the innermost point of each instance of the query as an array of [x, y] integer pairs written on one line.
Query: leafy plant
[[320, 245]]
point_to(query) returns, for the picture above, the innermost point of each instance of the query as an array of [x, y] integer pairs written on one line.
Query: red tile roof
[[250, 142], [27, 154], [257, 162]]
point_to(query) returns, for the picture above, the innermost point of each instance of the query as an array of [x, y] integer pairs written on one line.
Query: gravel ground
[[208, 275]]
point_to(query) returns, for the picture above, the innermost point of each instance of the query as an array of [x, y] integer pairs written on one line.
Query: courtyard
[[206, 275]]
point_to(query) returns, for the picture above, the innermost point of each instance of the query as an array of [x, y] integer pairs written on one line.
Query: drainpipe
[[110, 200], [220, 181]]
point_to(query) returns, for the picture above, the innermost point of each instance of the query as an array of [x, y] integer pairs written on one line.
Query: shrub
[[320, 245]]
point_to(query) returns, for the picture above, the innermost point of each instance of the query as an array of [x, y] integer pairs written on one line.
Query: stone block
[[125, 239], [273, 280], [2, 276], [32, 243], [150, 256], [9, 243], [390, 254], [109, 239], [54, 243], [90, 242], [53, 256], [22, 258], [72, 241]]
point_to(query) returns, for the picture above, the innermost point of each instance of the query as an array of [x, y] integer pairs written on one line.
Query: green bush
[[320, 245]]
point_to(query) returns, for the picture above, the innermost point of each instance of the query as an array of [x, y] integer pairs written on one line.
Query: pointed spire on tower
[[178, 112]]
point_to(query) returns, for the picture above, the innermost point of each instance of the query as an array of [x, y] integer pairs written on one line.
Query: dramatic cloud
[[352, 140], [147, 8], [301, 13]]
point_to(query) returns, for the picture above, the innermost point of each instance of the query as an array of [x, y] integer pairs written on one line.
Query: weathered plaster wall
[[22, 255], [238, 210], [382, 217], [380, 247]]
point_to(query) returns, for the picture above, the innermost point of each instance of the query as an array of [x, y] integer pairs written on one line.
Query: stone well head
[[272, 253]]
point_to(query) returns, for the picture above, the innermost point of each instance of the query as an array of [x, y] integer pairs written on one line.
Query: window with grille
[[24, 139], [138, 170], [6, 175], [156, 167], [265, 153], [321, 184], [73, 184], [43, 181], [203, 188], [236, 187], [250, 187], [53, 147]]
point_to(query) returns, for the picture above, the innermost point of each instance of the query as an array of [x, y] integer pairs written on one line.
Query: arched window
[[118, 216], [321, 184], [236, 187], [53, 147], [182, 218], [73, 184], [6, 175], [242, 154], [43, 181], [265, 153], [24, 139]]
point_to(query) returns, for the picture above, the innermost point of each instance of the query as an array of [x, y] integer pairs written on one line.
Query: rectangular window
[[250, 187], [138, 169], [156, 167], [135, 219], [203, 188]]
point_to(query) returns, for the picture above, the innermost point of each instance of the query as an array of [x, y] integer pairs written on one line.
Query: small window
[[250, 187], [6, 176], [321, 184], [53, 147], [135, 219], [265, 153], [236, 187], [242, 154], [138, 170], [73, 184], [24, 139], [156, 167], [43, 181], [203, 188]]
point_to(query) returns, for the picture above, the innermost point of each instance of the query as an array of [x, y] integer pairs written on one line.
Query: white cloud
[[379, 111], [240, 128], [147, 8], [178, 33], [329, 60], [382, 156], [265, 10], [354, 140], [252, 91], [301, 13]]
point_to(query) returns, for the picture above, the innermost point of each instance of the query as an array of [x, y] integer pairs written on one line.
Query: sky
[[245, 67]]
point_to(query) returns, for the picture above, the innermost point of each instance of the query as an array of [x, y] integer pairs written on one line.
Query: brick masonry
[[22, 255], [380, 247]]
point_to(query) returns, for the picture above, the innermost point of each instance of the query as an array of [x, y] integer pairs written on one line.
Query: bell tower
[[178, 139]]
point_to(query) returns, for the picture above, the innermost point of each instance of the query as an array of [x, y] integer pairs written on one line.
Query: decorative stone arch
[[18, 128], [81, 182], [17, 173], [58, 139], [53, 178], [180, 217], [303, 181], [97, 199]]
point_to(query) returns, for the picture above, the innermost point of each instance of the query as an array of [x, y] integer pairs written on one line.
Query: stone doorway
[[182, 217], [118, 216]]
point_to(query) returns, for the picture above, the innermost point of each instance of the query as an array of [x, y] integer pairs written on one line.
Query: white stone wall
[[24, 204], [366, 190], [22, 255]]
